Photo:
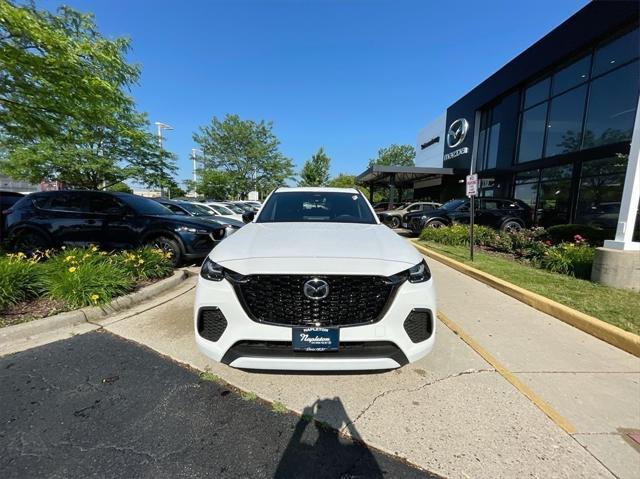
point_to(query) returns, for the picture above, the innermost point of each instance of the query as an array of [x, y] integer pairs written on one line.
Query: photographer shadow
[[317, 450]]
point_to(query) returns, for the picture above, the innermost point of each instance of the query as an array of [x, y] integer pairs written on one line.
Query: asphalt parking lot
[[96, 405]]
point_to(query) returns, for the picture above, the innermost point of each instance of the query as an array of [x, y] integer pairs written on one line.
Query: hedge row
[[78, 276]]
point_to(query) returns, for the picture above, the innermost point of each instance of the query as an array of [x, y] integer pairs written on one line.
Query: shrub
[[484, 236], [574, 259], [454, 235], [85, 282], [145, 263], [20, 280], [567, 233]]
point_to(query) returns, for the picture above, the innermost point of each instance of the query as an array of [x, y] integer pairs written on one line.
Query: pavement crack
[[410, 390]]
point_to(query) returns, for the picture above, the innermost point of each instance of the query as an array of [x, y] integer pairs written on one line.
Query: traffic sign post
[[472, 192]]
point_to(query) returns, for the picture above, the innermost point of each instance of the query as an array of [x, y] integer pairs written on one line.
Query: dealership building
[[554, 128]]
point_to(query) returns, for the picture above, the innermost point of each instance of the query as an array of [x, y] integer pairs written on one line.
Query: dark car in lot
[[186, 208], [7, 200], [394, 217], [110, 220], [500, 213]]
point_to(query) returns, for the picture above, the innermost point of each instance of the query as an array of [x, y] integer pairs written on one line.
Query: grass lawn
[[615, 306]]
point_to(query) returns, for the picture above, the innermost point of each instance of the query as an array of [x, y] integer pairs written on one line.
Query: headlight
[[230, 230], [419, 273], [424, 218], [211, 271], [190, 229]]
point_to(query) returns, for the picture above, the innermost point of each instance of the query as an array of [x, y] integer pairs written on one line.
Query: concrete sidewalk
[[452, 413]]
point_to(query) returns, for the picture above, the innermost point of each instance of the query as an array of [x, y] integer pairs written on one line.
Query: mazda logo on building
[[457, 132], [316, 288]]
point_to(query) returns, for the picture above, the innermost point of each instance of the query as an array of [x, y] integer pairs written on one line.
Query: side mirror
[[248, 216]]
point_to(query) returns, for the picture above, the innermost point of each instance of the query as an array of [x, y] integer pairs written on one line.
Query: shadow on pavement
[[315, 447]]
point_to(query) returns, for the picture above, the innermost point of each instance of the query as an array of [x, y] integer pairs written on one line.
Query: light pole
[[194, 157], [159, 127]]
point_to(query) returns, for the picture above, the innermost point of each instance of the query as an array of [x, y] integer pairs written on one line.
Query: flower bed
[[535, 246], [73, 278]]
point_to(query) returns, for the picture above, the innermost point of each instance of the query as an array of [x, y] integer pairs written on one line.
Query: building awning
[[401, 176]]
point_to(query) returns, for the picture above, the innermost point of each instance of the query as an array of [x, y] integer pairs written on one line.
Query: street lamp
[[194, 157], [159, 127]]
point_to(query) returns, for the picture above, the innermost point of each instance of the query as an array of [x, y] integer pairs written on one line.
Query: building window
[[600, 193], [612, 107], [526, 188], [489, 138], [616, 53], [554, 196], [532, 133], [551, 121], [564, 127]]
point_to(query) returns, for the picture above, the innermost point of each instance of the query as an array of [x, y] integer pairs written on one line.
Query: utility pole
[[194, 157], [162, 126]]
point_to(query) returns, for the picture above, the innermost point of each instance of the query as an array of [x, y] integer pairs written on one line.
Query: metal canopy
[[400, 176]]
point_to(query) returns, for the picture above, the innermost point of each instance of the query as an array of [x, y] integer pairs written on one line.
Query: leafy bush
[[484, 236], [20, 280], [145, 263], [455, 235], [567, 234], [574, 259], [85, 278]]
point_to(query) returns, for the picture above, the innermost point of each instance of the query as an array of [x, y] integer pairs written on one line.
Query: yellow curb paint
[[608, 333], [508, 375]]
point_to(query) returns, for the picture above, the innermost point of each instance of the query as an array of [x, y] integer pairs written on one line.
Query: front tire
[[511, 226], [30, 242], [435, 224], [168, 245]]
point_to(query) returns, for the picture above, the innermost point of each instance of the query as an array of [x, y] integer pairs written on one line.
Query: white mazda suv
[[315, 283]]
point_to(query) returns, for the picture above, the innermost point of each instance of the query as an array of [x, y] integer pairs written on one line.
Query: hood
[[191, 221], [315, 248]]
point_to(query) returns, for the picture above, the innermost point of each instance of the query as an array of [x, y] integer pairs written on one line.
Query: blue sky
[[349, 75]]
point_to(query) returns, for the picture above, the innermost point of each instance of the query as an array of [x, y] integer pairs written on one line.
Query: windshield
[[235, 209], [196, 210], [223, 210], [144, 206], [316, 207], [452, 205]]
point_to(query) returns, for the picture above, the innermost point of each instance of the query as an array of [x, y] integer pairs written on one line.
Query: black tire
[[512, 226], [168, 245], [394, 222], [435, 224], [29, 242]]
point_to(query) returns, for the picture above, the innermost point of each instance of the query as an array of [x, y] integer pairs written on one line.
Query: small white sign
[[472, 185]]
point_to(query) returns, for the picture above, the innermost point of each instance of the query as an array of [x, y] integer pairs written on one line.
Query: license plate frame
[[314, 339]]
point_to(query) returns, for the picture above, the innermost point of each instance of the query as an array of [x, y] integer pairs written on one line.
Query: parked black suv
[[186, 208], [499, 213], [110, 220], [7, 200]]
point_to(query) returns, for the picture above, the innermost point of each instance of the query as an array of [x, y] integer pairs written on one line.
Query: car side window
[[105, 204], [176, 210], [74, 202], [509, 205], [414, 208], [491, 204]]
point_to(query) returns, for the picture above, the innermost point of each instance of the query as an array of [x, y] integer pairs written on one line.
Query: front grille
[[279, 299], [283, 349], [211, 323], [419, 325]]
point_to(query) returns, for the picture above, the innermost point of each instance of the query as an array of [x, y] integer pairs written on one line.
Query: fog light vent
[[211, 323], [419, 325]]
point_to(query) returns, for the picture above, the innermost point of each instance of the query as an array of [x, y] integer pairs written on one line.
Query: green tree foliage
[[213, 184], [64, 109], [315, 171], [245, 150], [120, 187], [395, 155], [344, 180]]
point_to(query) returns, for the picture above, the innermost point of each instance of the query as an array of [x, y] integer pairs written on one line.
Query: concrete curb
[[90, 313], [613, 335]]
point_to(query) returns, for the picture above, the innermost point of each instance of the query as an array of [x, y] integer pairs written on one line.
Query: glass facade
[[599, 89]]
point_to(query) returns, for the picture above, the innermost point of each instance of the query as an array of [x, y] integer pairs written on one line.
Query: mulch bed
[[30, 310]]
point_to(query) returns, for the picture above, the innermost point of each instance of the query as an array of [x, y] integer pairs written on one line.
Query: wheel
[[435, 224], [394, 222], [168, 245], [29, 242], [511, 226]]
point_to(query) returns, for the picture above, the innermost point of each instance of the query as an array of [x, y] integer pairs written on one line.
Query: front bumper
[[389, 331]]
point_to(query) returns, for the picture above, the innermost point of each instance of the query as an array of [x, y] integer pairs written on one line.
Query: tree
[[213, 184], [64, 109], [315, 171], [395, 155], [120, 187], [344, 180], [247, 151]]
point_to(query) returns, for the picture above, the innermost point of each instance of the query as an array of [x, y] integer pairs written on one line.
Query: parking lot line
[[508, 375]]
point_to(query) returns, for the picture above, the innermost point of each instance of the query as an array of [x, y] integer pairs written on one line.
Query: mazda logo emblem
[[457, 132], [316, 288]]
